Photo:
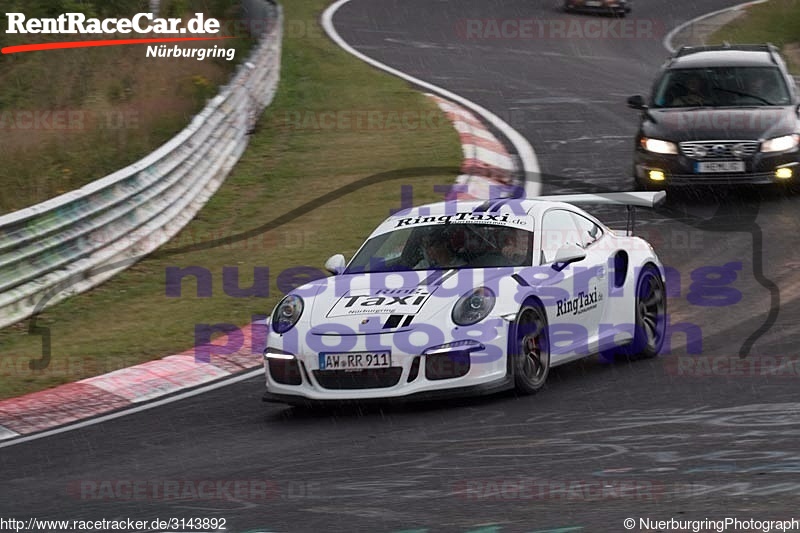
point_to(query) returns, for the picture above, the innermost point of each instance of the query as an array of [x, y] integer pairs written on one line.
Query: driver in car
[[436, 251], [693, 93]]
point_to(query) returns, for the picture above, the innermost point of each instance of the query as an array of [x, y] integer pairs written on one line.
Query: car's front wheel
[[651, 314], [531, 349]]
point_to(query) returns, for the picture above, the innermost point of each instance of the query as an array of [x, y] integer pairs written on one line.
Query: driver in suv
[[719, 115]]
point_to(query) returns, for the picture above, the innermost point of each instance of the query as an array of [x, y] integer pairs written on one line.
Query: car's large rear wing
[[628, 199]]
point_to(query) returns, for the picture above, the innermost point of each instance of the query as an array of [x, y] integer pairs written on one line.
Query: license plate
[[593, 3], [720, 166], [354, 360]]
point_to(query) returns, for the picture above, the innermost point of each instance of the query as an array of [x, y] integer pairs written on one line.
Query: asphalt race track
[[664, 438]]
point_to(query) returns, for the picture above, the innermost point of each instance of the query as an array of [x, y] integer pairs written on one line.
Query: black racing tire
[[530, 351], [650, 313]]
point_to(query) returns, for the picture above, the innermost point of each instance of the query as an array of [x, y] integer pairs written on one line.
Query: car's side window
[[558, 228], [588, 231]]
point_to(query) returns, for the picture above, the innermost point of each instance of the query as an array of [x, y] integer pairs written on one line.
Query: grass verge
[[69, 117], [776, 21], [334, 121]]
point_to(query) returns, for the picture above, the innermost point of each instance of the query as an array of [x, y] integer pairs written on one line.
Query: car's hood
[[373, 303], [698, 124]]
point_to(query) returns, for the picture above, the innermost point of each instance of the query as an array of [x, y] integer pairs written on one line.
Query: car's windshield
[[721, 87], [445, 246]]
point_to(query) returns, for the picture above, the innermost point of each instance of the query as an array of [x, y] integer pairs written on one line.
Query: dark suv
[[719, 115]]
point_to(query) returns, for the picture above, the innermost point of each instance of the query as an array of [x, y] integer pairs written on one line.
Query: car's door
[[574, 315], [594, 270]]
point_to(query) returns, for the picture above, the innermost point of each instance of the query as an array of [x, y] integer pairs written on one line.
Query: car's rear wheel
[[531, 352], [651, 314]]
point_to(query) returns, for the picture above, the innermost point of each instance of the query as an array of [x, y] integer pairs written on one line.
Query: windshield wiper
[[740, 93]]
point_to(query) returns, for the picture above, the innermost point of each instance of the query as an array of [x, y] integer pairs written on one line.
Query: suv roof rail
[[767, 47]]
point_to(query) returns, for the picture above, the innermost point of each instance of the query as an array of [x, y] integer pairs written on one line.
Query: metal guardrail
[[75, 241]]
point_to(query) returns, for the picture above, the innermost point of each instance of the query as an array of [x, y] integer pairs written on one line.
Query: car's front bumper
[[481, 389], [679, 170], [414, 374]]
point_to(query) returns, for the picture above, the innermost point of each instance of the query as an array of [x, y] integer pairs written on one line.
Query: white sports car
[[470, 297]]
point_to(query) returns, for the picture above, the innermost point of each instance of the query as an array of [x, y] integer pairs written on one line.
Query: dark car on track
[[725, 114], [616, 7]]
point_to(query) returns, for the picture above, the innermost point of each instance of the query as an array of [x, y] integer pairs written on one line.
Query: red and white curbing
[[488, 172], [91, 397]]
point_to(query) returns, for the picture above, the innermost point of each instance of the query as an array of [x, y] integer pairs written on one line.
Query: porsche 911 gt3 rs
[[471, 297]]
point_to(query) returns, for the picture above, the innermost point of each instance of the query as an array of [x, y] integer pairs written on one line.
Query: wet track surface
[[678, 437]]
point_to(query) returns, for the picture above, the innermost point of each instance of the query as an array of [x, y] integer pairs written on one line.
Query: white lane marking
[[139, 408], [525, 151], [671, 35], [6, 433]]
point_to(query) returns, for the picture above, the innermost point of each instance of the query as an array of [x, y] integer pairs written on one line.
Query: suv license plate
[[719, 166]]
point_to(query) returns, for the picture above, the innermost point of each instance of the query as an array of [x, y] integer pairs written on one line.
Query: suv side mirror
[[335, 264], [636, 102], [569, 253]]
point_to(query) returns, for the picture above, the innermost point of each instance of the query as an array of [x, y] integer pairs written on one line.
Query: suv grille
[[713, 150]]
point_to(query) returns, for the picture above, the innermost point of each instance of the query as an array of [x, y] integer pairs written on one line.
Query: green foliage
[[776, 21]]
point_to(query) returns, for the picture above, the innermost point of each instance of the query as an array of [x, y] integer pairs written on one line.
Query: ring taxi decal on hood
[[380, 302]]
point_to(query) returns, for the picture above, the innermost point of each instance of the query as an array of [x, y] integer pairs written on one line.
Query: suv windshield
[[444, 246], [721, 87]]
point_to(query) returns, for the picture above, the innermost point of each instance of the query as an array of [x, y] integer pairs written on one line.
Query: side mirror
[[569, 253], [335, 264], [636, 102]]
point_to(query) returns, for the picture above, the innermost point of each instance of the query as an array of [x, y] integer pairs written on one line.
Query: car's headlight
[[780, 144], [473, 306], [286, 313], [658, 146]]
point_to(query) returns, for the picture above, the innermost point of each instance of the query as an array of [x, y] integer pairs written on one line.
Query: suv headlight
[[286, 313], [473, 306], [780, 144], [658, 146]]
